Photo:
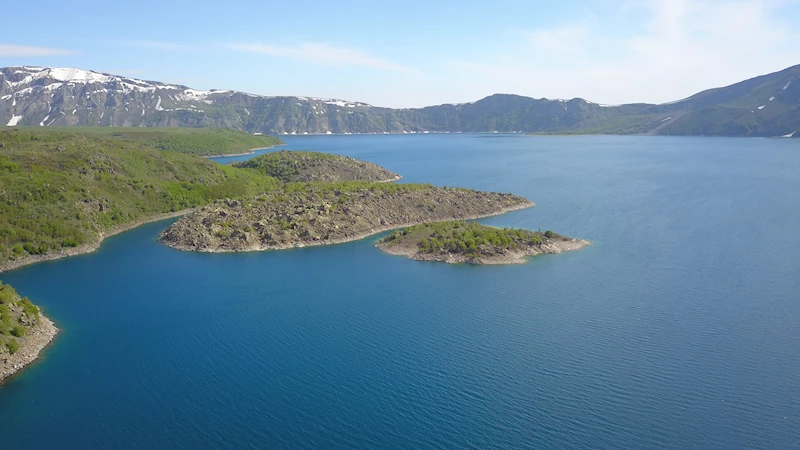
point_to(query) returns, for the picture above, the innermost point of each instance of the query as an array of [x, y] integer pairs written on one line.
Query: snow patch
[[342, 103], [789, 135], [771, 98], [76, 76], [14, 120], [670, 117], [787, 84], [41, 124], [762, 106], [158, 105]]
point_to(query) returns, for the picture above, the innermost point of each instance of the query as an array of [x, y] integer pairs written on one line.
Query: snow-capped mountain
[[768, 105], [65, 96]]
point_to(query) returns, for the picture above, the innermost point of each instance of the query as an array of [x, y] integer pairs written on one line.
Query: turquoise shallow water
[[679, 327]]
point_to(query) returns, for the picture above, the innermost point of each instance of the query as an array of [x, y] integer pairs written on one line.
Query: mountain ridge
[[767, 105]]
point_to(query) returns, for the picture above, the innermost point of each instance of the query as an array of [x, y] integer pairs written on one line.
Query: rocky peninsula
[[306, 214], [24, 332], [473, 243], [292, 166]]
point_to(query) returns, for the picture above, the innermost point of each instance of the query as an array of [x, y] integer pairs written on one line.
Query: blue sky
[[416, 53]]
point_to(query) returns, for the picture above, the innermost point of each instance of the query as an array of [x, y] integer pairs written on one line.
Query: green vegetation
[[284, 165], [293, 166], [470, 238], [193, 141], [17, 316], [60, 190]]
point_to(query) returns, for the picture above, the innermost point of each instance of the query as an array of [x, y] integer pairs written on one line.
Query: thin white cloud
[[685, 46], [160, 45], [322, 54], [19, 51]]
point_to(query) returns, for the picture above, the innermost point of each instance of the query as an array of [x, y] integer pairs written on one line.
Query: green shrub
[[18, 331], [12, 345]]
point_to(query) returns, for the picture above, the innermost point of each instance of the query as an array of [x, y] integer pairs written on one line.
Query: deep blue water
[[679, 327]]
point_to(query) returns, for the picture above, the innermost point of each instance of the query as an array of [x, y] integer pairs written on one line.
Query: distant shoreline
[[252, 150]]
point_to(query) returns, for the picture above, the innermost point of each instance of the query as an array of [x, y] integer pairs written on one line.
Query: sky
[[416, 53]]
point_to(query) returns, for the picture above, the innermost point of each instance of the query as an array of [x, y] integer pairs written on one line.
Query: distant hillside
[[763, 106], [191, 141]]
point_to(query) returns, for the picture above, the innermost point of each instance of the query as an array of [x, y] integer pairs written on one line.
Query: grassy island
[[24, 331], [474, 243], [303, 214], [292, 166]]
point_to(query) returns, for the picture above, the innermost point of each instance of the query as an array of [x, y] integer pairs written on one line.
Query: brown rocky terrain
[[327, 213]]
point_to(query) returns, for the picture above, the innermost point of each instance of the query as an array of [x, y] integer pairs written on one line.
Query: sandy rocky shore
[[30, 345]]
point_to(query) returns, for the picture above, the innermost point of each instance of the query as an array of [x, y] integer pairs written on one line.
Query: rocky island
[[473, 243], [291, 166], [305, 214], [24, 331]]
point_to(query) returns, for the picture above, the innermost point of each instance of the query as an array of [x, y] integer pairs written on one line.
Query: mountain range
[[768, 105]]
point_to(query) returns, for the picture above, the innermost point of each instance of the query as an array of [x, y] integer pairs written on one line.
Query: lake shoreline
[[510, 257]]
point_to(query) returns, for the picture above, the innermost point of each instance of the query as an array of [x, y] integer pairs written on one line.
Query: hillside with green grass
[[191, 141], [63, 190]]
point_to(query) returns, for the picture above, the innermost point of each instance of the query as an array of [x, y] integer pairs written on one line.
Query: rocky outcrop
[[292, 166], [329, 213], [24, 332]]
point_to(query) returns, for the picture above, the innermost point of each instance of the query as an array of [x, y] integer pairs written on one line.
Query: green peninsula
[[474, 243]]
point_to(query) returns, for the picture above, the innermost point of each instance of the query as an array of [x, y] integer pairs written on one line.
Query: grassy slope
[[194, 141], [60, 190]]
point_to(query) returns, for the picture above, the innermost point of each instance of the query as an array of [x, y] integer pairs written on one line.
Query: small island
[[292, 166], [473, 243], [24, 331], [305, 214]]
